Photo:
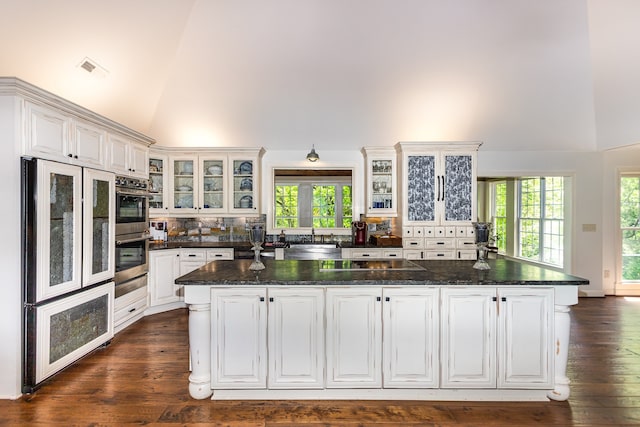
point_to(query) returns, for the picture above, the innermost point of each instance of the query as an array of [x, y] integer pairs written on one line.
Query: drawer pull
[[132, 310]]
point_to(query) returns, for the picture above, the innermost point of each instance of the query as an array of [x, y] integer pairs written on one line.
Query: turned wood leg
[[200, 350], [561, 353]]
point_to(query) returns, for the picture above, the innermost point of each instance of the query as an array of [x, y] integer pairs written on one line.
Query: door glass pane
[[183, 190], [421, 188], [242, 184], [100, 208], [156, 183], [61, 228], [630, 227], [213, 184], [458, 188]]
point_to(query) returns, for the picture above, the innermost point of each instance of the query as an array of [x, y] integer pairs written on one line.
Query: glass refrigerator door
[[59, 216], [99, 226]]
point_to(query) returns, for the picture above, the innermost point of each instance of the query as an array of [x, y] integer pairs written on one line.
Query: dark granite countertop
[[503, 272]]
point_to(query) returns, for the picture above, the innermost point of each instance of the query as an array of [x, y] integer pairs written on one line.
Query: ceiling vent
[[92, 67]]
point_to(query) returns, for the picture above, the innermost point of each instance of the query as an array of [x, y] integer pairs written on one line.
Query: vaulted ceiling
[[341, 74]]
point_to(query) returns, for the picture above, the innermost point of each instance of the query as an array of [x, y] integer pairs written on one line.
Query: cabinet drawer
[[413, 242], [467, 254], [222, 253], [440, 244], [392, 253], [365, 253], [193, 255], [129, 305], [412, 254], [439, 254], [466, 243]]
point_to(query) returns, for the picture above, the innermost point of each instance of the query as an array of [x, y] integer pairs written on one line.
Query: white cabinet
[[497, 338], [293, 356], [239, 338], [438, 199], [192, 259], [296, 338], [164, 268], [381, 181], [158, 179], [210, 182], [354, 337], [127, 157], [411, 326], [53, 135]]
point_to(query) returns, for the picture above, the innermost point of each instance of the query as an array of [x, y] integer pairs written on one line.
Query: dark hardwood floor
[[141, 379]]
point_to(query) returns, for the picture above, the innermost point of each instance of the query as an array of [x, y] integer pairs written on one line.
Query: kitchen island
[[379, 329]]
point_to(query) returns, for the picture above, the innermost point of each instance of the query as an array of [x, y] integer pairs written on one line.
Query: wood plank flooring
[[141, 379]]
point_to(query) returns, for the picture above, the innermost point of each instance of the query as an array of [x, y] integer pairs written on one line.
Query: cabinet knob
[[387, 299], [262, 299], [378, 299], [270, 299]]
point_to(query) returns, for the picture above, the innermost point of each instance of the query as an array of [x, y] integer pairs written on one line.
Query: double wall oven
[[132, 234]]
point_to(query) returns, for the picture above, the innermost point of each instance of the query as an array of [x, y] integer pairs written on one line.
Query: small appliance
[[359, 230]]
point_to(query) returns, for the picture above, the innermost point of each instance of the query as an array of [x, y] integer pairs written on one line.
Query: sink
[[313, 246], [313, 251]]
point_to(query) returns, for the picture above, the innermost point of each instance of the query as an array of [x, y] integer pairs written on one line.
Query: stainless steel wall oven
[[132, 234]]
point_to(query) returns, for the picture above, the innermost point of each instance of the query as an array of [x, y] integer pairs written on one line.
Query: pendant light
[[313, 156]]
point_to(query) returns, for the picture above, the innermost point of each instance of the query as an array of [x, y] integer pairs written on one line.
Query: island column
[[199, 300]]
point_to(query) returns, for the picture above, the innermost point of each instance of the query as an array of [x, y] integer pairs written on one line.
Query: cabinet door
[[239, 338], [183, 184], [158, 189], [296, 338], [118, 155], [164, 268], [59, 229], [468, 351], [381, 182], [459, 188], [411, 330], [138, 160], [243, 185], [47, 133], [422, 186], [213, 184], [525, 338], [90, 145], [354, 337], [99, 226]]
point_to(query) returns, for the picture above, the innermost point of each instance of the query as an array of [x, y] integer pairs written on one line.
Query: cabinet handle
[[270, 299], [75, 157], [438, 190], [69, 155], [378, 299], [132, 310], [261, 299], [442, 198], [218, 255], [494, 299], [192, 255], [503, 299], [387, 299]]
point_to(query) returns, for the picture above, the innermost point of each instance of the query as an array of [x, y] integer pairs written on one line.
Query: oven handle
[[133, 193], [137, 239]]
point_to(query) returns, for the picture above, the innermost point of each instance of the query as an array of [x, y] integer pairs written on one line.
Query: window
[[541, 219], [528, 217], [630, 227], [317, 200]]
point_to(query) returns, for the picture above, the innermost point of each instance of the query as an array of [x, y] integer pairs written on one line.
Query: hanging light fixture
[[312, 156]]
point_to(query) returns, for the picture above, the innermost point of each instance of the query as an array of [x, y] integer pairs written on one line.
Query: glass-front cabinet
[[213, 184], [158, 194], [243, 194], [204, 182], [381, 181]]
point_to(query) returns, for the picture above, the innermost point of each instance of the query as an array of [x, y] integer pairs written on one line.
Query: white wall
[[10, 302], [586, 170]]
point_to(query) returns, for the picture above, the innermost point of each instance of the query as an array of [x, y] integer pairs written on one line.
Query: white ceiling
[[341, 74]]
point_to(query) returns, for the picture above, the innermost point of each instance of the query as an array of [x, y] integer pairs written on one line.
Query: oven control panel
[[132, 183]]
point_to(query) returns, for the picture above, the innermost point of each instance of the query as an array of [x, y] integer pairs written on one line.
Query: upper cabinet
[[205, 182], [127, 157], [381, 186], [56, 129], [55, 136], [438, 182]]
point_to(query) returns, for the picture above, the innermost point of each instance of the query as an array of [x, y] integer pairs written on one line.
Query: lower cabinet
[[164, 269], [375, 337], [354, 337], [290, 336], [497, 338]]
